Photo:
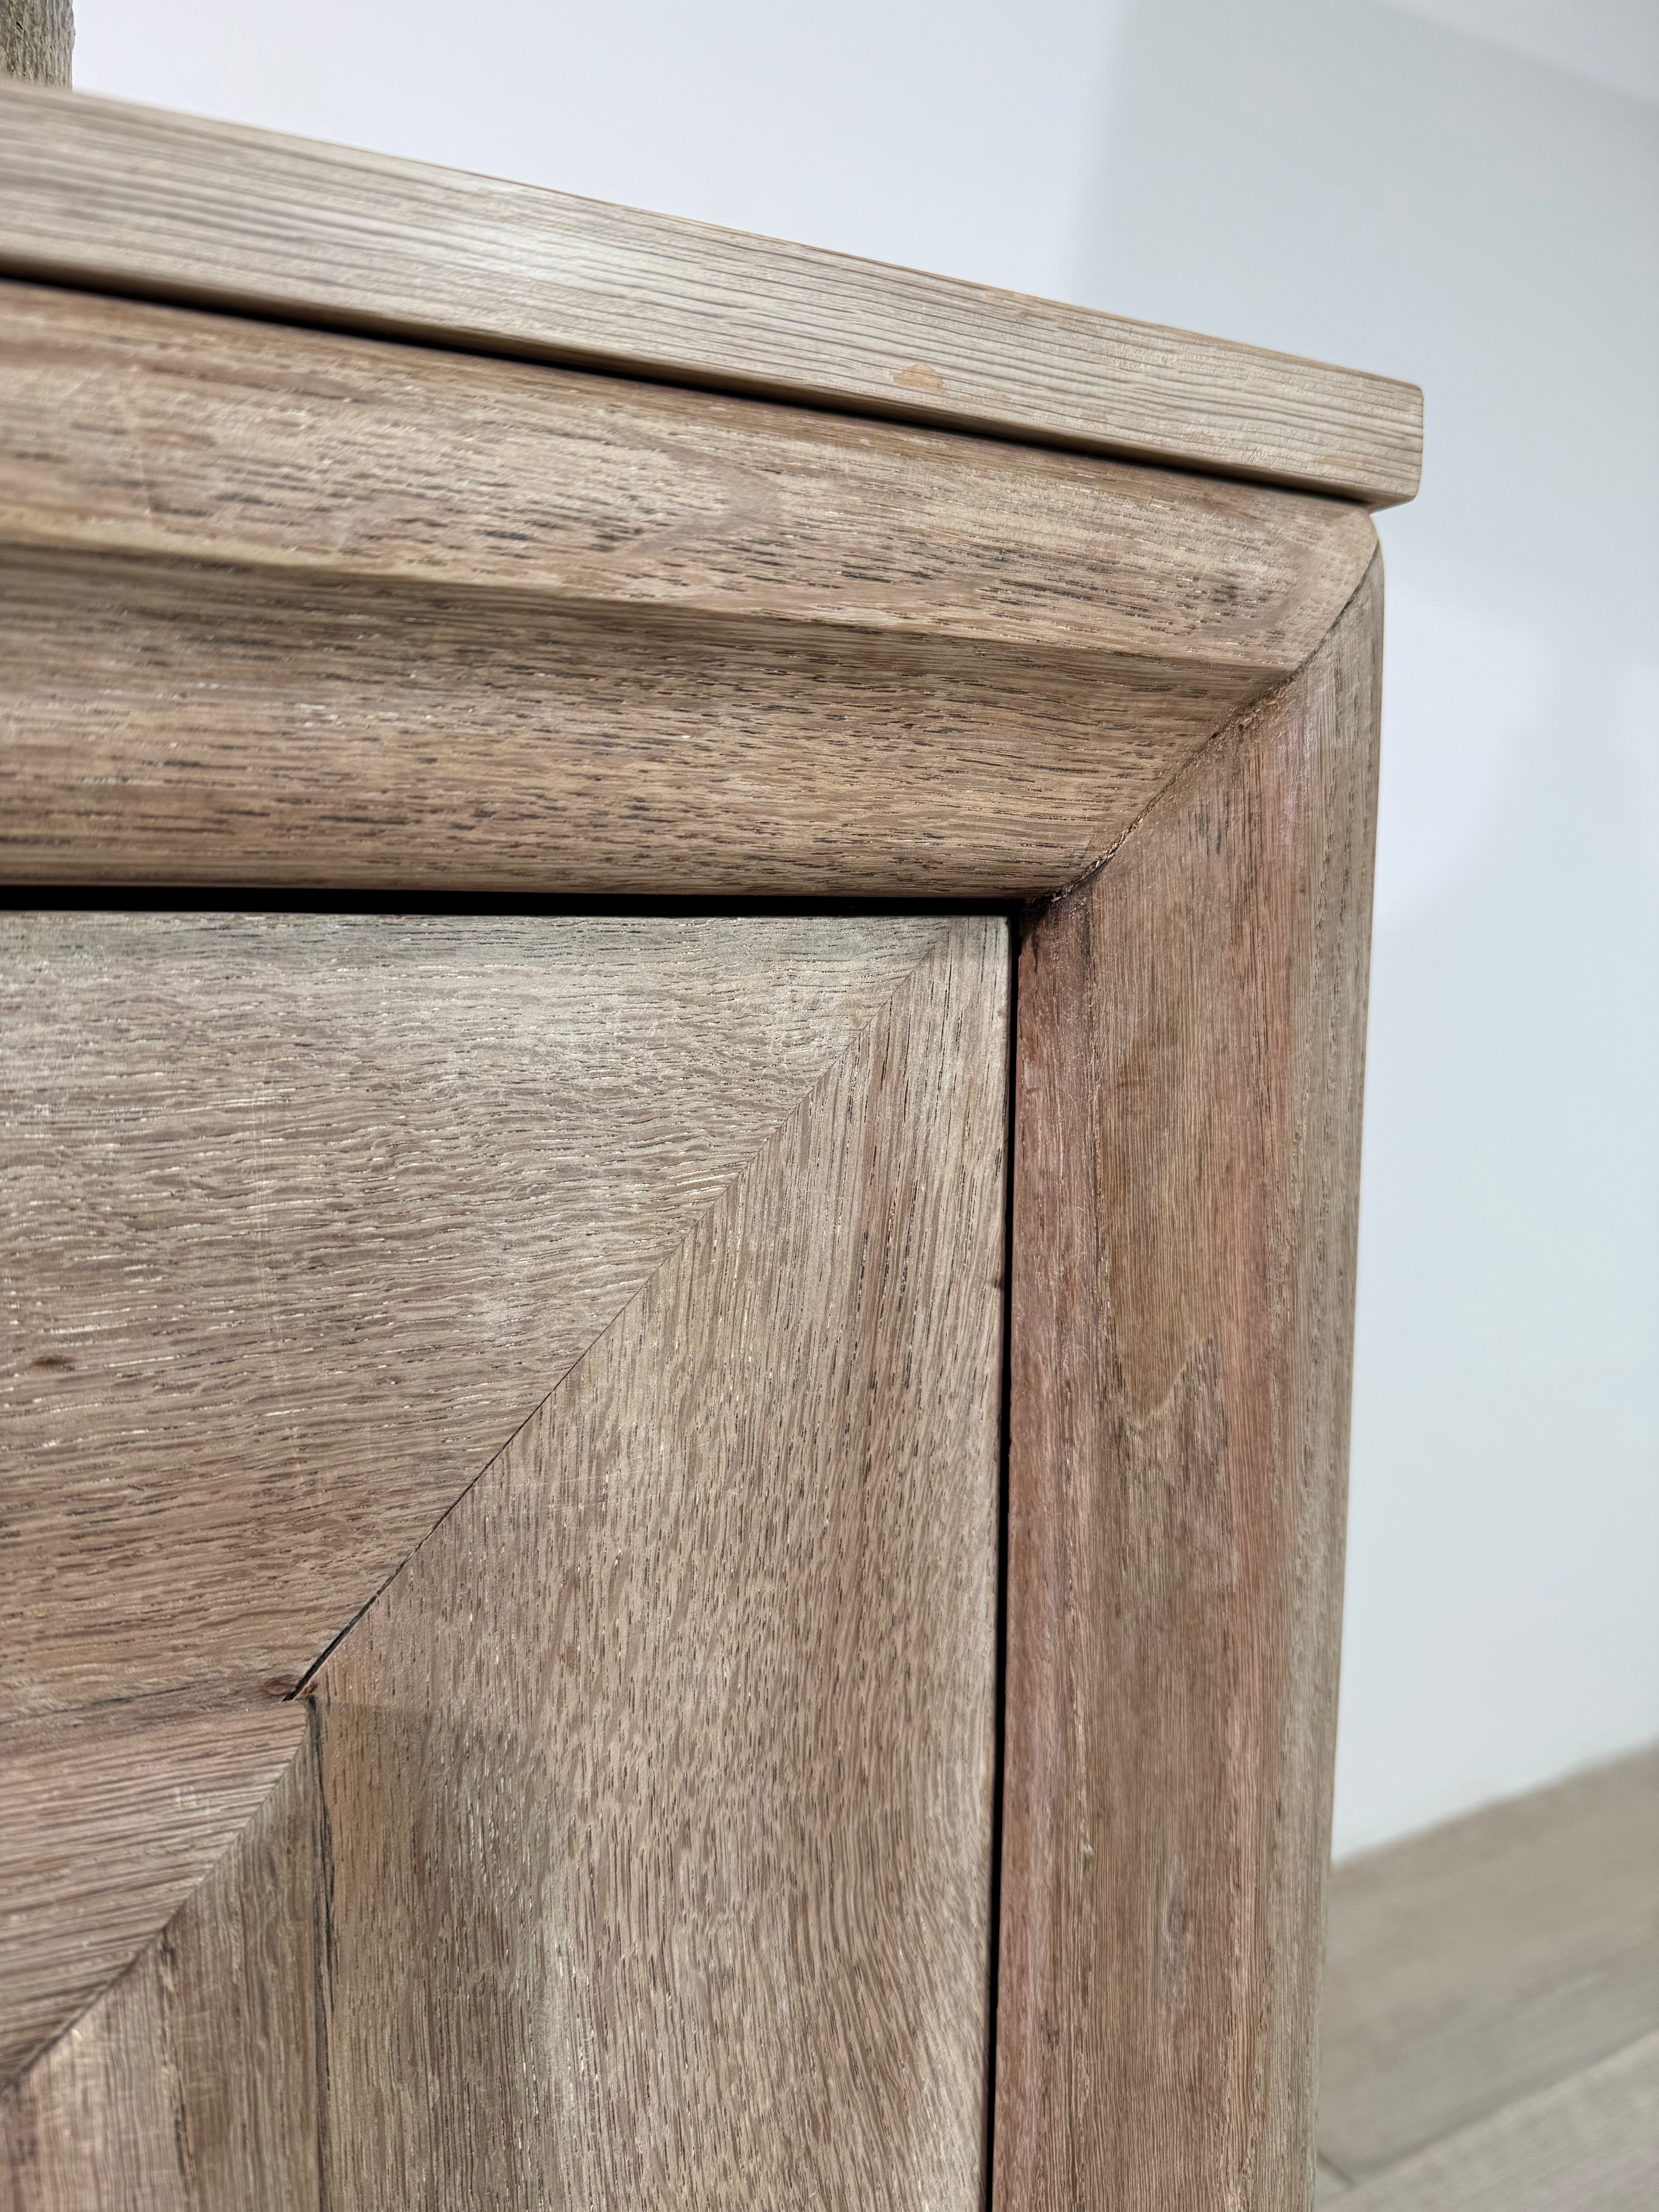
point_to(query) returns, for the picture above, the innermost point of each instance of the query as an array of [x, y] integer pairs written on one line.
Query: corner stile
[[1191, 1057]]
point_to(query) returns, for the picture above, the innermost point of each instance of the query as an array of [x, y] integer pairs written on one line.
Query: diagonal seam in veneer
[[878, 1011]]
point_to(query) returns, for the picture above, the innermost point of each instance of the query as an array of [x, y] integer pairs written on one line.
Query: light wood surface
[[637, 1314], [305, 1216], [481, 625], [1192, 1026], [1487, 1961], [109, 1817], [1588, 2144], [153, 430], [128, 199], [640, 1852], [191, 2085], [37, 41], [168, 724]]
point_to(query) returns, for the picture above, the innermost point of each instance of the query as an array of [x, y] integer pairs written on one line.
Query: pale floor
[[1492, 2009]]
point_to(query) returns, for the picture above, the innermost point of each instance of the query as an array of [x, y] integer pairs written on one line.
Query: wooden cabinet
[[684, 1015]]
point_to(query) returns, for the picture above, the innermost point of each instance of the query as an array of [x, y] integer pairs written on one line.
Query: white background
[[1464, 192]]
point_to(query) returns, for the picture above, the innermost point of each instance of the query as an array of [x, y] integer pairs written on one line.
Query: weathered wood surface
[[305, 1216], [1588, 2144], [109, 1818], [1486, 1962], [128, 199], [172, 725], [514, 628], [1191, 1024], [191, 2085], [639, 1852], [144, 429], [37, 41]]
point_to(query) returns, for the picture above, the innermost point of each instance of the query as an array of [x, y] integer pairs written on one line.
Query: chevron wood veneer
[[318, 1210], [663, 1767]]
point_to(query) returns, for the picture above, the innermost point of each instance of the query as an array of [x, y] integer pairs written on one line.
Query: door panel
[[638, 1848], [305, 1216]]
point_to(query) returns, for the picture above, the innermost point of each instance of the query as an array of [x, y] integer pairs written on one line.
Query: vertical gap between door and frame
[[1000, 1688]]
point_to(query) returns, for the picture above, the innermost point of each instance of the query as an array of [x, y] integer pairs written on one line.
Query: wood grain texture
[[305, 1216], [334, 1201], [37, 41], [108, 1820], [192, 2084], [640, 1854], [126, 199], [175, 726], [168, 724], [1587, 2144], [514, 628], [1488, 1960], [154, 430], [1191, 1024]]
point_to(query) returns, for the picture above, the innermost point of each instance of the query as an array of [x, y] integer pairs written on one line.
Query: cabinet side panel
[[1192, 1027]]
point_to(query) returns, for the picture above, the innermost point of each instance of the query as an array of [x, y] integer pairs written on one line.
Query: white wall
[[1354, 182], [1381, 185]]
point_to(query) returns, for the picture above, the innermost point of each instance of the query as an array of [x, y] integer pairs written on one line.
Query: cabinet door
[[500, 1505]]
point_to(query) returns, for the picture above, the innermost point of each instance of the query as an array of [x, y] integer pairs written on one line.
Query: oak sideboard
[[684, 998]]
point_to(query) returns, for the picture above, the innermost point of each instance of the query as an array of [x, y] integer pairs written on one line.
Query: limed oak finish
[[570, 1343], [117, 198], [1184, 1230], [112, 1811], [651, 1801], [382, 615], [317, 1210]]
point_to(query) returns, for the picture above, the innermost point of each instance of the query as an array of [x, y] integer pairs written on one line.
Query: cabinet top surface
[[134, 200]]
